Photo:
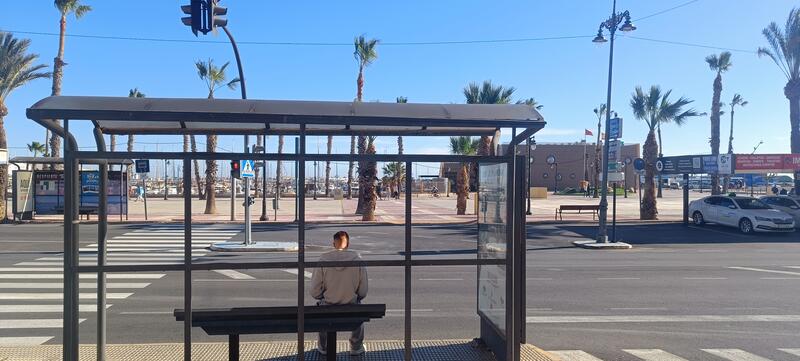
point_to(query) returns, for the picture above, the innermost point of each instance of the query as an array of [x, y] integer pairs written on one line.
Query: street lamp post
[[611, 24]]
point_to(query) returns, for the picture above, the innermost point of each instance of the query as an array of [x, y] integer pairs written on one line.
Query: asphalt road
[[698, 293]]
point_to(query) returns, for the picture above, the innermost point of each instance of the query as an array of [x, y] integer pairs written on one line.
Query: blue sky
[[567, 76]]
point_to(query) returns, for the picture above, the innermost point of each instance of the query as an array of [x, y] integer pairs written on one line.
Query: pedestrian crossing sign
[[247, 168]]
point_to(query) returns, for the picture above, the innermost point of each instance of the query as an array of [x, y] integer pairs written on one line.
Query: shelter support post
[[301, 243], [686, 199], [187, 259], [71, 239], [407, 314], [102, 236]]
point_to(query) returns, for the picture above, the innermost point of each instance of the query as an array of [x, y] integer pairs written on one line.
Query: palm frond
[[17, 67]]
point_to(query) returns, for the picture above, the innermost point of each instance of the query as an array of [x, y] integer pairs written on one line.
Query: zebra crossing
[[731, 354], [31, 291]]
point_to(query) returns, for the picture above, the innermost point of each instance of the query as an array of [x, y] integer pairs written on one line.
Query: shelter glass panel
[[493, 234]]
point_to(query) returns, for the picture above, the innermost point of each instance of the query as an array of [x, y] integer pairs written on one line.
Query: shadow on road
[[677, 233]]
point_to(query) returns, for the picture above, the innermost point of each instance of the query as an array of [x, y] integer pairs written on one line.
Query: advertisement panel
[[767, 163], [49, 191], [23, 195], [492, 237], [680, 164]]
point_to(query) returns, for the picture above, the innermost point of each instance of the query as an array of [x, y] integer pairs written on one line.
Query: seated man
[[340, 286]]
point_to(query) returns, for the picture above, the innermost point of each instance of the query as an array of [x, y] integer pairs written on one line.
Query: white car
[[747, 214], [785, 204]]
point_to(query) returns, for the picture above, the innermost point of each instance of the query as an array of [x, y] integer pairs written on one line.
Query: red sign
[[767, 163]]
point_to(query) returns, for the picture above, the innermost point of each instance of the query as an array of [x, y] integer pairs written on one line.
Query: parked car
[[746, 213], [786, 204]]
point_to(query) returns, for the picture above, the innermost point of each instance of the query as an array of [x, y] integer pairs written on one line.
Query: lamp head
[[599, 39], [627, 26]]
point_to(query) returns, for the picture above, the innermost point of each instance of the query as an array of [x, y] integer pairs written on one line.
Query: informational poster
[[767, 163], [23, 193], [49, 191], [492, 240]]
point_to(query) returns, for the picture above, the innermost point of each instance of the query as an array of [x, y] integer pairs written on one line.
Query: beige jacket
[[339, 285]]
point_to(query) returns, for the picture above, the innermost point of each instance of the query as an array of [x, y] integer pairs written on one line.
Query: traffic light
[[236, 171], [216, 14], [195, 18]]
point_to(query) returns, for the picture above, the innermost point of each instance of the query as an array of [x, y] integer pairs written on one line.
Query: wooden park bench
[[264, 320], [594, 208]]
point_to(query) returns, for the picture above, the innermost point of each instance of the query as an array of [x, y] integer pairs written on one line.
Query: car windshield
[[751, 203]]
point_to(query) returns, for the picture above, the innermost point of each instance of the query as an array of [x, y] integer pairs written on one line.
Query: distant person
[[775, 189], [139, 193], [379, 190], [783, 192], [435, 191], [340, 286]]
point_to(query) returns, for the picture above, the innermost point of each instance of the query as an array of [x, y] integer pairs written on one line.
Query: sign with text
[[680, 164], [142, 166], [767, 163], [615, 149], [615, 128]]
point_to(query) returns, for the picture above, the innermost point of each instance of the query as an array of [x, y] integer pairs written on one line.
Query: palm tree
[[36, 148], [395, 174], [365, 53], [737, 100], [17, 68], [600, 113], [65, 7], [278, 172], [655, 108], [720, 64], [531, 102], [215, 78], [487, 93], [328, 167], [369, 174], [132, 93], [400, 100], [463, 146], [784, 50]]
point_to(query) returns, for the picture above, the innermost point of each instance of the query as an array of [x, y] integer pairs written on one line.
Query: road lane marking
[[618, 278], [779, 278], [792, 351], [654, 355], [253, 280], [662, 318], [294, 272], [539, 279], [146, 313], [440, 279], [35, 323], [639, 308], [574, 355], [59, 296], [766, 270], [734, 354], [234, 274], [705, 278], [9, 285], [31, 269], [83, 275], [57, 308], [24, 341]]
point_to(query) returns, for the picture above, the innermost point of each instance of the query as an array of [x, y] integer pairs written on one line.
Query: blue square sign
[[247, 168], [142, 166]]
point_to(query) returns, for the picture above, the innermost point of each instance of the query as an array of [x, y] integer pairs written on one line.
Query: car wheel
[[746, 226], [697, 218]]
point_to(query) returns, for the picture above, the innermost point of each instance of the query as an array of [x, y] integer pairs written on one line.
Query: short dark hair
[[341, 235]]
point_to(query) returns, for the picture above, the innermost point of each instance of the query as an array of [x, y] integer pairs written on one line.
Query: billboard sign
[[680, 164], [767, 163]]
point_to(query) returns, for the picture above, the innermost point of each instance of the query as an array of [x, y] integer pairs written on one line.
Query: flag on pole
[[588, 132]]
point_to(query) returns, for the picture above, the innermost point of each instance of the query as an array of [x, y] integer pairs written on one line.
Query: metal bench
[[82, 210], [594, 208], [263, 320]]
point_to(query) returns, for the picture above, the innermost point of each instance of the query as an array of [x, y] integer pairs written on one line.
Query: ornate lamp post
[[612, 24]]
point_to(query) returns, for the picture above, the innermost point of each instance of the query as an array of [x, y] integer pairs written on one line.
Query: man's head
[[341, 240]]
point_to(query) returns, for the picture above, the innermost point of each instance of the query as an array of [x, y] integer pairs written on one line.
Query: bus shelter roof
[[124, 115]]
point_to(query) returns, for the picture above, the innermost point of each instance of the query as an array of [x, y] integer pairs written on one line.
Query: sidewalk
[[432, 350], [425, 210]]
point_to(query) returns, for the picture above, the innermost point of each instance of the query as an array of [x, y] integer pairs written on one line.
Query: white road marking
[[618, 278], [56, 308], [735, 354], [539, 279], [779, 278], [639, 308], [24, 341], [8, 285], [412, 310], [440, 279], [34, 323], [294, 272], [792, 351], [58, 296], [252, 280], [654, 355], [663, 318], [146, 313], [33, 269], [705, 278], [234, 274], [766, 270], [574, 355]]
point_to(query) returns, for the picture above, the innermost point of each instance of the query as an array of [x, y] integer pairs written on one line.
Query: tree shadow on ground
[[677, 233]]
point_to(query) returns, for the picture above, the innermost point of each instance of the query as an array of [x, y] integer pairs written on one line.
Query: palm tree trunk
[[362, 149], [58, 75], [792, 92], [3, 167], [462, 189], [131, 140], [715, 120], [186, 149], [257, 171], [398, 176], [350, 168], [730, 151], [485, 145], [196, 166], [113, 142], [598, 162], [278, 172], [211, 176], [370, 175], [649, 209], [328, 167]]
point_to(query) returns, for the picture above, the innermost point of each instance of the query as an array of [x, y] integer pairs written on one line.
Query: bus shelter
[[500, 251]]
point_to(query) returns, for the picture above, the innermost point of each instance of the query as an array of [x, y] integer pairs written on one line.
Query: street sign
[[142, 166], [628, 160], [614, 176], [615, 128], [725, 163], [615, 149], [615, 166], [767, 163], [247, 168], [638, 164], [680, 164]]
